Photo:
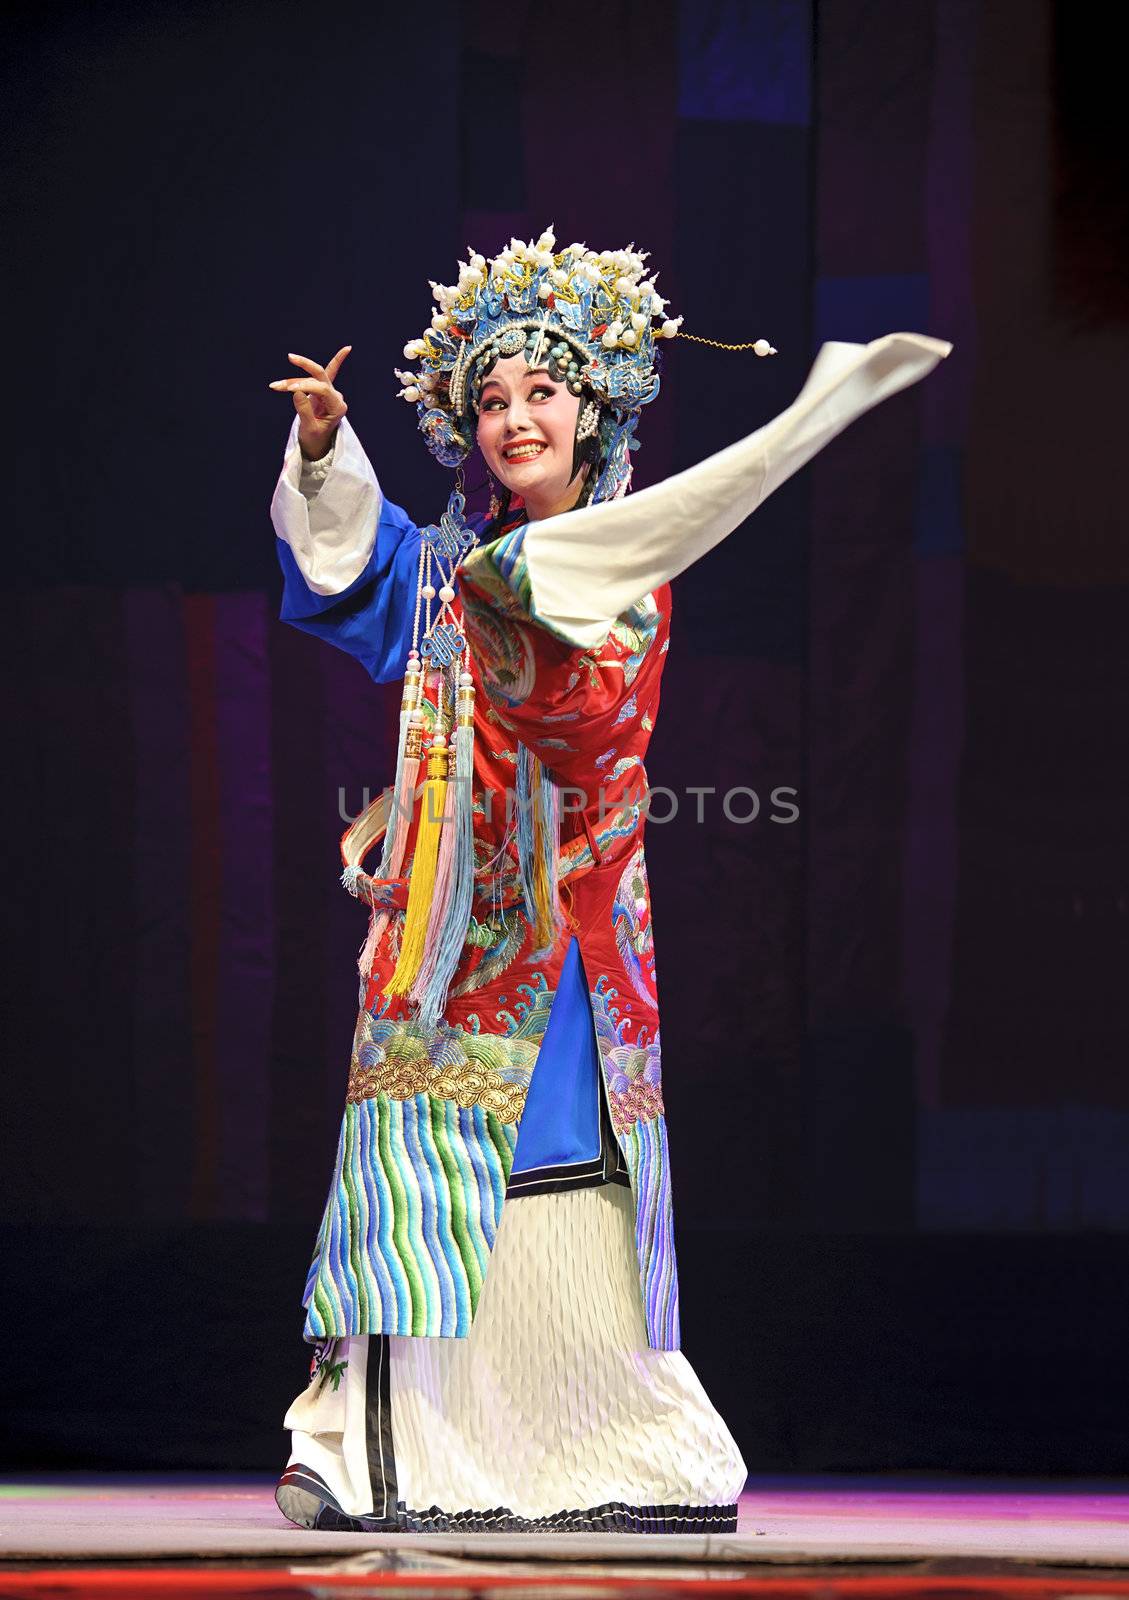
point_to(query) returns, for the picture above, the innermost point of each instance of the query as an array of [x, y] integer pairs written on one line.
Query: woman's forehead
[[512, 371]]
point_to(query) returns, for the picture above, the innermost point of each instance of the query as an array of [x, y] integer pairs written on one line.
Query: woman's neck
[[540, 510]]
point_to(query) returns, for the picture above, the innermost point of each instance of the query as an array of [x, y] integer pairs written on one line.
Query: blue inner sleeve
[[561, 1120], [372, 618]]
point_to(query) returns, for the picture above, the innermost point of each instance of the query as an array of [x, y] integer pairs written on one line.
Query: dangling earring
[[495, 504], [588, 421]]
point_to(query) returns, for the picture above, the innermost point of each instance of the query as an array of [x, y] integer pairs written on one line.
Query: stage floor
[[783, 1523]]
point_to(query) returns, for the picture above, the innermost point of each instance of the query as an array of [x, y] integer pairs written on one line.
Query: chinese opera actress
[[493, 1296]]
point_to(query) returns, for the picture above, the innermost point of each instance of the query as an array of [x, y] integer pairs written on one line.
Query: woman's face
[[527, 433]]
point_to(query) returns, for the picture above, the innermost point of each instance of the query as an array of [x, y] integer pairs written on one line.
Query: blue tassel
[[525, 827], [549, 807], [538, 829]]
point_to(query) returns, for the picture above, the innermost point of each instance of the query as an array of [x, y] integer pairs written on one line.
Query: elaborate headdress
[[588, 316], [592, 319]]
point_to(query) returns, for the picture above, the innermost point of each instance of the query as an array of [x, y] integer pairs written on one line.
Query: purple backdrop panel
[[32, 918], [1005, 1168], [92, 801], [610, 191], [873, 109], [951, 211], [489, 231], [80, 748], [1040, 1010], [307, 1089], [730, 727], [68, 819], [745, 60], [860, 1116], [748, 595], [862, 591], [931, 839], [204, 899], [245, 986], [864, 306], [875, 66], [939, 516], [360, 725], [1039, 1013], [729, 924], [605, 194], [153, 623]]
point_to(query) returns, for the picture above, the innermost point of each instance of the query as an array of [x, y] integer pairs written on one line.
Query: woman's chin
[[526, 477]]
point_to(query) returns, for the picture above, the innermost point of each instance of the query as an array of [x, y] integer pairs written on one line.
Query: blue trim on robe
[[561, 1120]]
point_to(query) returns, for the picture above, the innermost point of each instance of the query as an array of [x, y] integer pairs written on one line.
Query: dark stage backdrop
[[895, 1029]]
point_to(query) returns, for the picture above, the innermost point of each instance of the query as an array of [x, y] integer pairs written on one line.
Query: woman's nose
[[517, 415]]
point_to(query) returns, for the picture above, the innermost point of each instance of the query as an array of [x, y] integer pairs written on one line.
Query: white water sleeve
[[327, 510], [587, 567]]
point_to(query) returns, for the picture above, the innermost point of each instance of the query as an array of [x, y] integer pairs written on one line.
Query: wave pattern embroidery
[[411, 1219], [648, 1163], [402, 1059]]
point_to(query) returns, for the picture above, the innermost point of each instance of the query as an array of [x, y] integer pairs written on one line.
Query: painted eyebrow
[[534, 372]]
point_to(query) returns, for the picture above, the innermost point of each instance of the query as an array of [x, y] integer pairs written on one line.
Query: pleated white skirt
[[552, 1413]]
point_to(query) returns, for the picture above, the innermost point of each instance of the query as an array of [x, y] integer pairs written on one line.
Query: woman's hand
[[319, 405]]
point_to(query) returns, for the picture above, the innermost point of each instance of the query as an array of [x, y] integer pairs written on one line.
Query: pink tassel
[[404, 804], [372, 939]]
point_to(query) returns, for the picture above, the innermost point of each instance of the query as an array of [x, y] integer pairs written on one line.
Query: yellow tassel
[[422, 871]]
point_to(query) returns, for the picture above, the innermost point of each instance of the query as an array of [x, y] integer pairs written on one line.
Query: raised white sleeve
[[587, 567], [331, 528]]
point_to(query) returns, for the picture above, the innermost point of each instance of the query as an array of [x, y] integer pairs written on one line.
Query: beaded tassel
[[447, 929], [437, 870]]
